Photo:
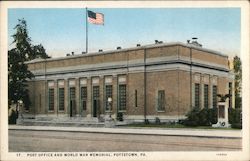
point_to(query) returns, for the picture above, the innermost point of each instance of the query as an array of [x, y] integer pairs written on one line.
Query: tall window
[[95, 100], [197, 95], [95, 92], [84, 98], [122, 97], [108, 94], [72, 103], [161, 100], [205, 96], [214, 96], [61, 99], [72, 93], [230, 92], [135, 98], [51, 99]]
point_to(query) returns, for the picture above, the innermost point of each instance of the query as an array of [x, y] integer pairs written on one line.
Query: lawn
[[175, 126]]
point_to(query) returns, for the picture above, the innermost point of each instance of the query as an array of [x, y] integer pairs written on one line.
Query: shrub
[[201, 117], [146, 121], [204, 117], [157, 120], [12, 118], [181, 121], [192, 117], [238, 102], [120, 116], [238, 115], [231, 115], [207, 117], [213, 115], [237, 125], [234, 117]]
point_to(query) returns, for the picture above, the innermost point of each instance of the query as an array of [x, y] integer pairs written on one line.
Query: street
[[59, 141]]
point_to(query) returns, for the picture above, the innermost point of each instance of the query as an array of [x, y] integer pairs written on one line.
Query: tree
[[23, 43], [18, 73], [238, 80], [38, 52]]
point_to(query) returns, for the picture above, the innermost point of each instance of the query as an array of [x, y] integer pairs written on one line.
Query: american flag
[[95, 18]]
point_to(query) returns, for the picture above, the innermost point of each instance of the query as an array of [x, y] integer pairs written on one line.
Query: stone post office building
[[163, 80]]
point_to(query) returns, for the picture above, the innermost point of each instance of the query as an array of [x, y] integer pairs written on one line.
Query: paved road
[[53, 141]]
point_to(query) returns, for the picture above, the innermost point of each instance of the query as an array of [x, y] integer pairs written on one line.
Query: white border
[[244, 5]]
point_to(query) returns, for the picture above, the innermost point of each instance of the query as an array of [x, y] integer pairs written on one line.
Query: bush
[[207, 117], [120, 116], [238, 102], [213, 115], [203, 117], [231, 115], [192, 117], [237, 125], [157, 120], [238, 115], [12, 118], [234, 117], [181, 121], [146, 121]]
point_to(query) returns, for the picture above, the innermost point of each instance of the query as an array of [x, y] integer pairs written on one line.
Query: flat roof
[[150, 46]]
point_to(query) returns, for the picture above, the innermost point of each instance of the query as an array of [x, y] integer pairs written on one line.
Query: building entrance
[[95, 101], [72, 108]]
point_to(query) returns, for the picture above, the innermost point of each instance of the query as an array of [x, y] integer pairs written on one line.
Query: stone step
[[67, 119], [33, 122]]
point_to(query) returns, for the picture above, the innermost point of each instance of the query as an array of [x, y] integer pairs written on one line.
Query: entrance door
[[95, 101], [72, 108], [83, 100], [95, 108]]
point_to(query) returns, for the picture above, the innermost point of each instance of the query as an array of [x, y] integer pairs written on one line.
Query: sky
[[63, 30]]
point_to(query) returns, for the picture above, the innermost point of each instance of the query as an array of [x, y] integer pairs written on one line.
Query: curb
[[121, 131]]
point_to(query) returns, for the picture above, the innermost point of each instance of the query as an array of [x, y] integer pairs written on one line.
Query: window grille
[[197, 95], [51, 99], [72, 93], [122, 97], [61, 99], [84, 98], [205, 96], [214, 96], [108, 94], [161, 100]]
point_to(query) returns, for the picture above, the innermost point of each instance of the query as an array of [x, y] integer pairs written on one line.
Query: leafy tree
[[23, 43], [238, 80], [18, 73], [38, 52]]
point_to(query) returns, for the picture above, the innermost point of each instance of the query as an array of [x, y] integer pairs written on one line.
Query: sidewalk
[[233, 134]]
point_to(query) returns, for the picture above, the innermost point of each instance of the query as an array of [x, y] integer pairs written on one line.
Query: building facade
[[163, 80]]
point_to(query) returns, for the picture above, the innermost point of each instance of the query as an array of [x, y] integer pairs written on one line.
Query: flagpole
[[86, 30]]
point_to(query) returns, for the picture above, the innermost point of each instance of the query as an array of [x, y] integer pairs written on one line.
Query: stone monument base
[[109, 122], [221, 124]]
